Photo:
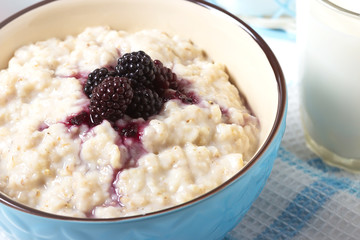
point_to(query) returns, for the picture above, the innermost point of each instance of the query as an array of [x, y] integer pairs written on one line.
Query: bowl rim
[[280, 115]]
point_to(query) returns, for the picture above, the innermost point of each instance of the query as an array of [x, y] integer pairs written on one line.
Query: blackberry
[[137, 66], [110, 99], [145, 103], [95, 78], [164, 78], [130, 130]]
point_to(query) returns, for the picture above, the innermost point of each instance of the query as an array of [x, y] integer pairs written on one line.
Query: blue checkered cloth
[[303, 200]]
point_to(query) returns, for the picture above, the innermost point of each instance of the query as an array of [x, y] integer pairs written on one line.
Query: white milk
[[329, 50]]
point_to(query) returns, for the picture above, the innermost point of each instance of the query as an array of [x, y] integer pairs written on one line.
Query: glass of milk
[[328, 38]]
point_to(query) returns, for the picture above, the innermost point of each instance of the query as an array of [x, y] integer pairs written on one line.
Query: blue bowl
[[225, 37]]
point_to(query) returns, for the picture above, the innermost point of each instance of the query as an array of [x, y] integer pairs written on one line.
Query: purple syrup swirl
[[80, 75], [130, 132], [82, 118], [135, 150], [42, 127]]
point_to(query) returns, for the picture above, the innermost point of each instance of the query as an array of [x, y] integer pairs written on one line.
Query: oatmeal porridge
[[110, 123]]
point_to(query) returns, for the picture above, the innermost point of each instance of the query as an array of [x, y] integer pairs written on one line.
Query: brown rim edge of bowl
[[278, 120], [340, 9], [23, 11]]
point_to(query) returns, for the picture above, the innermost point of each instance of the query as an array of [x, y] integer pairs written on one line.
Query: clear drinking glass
[[328, 38]]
